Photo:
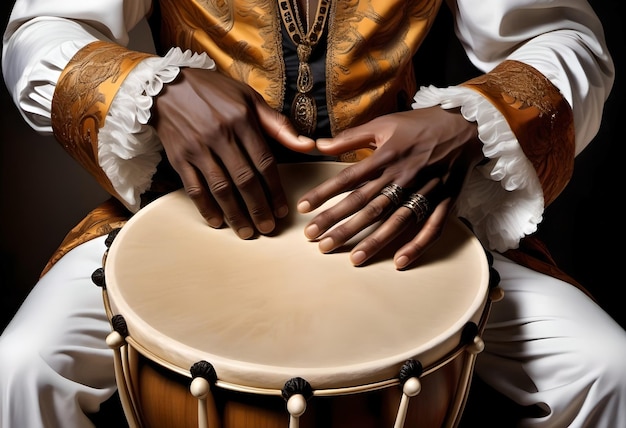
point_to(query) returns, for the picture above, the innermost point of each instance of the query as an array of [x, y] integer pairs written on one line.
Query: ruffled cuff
[[129, 149], [503, 198]]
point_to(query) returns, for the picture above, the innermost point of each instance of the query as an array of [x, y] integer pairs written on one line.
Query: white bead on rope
[[200, 389], [296, 406], [411, 388], [477, 346]]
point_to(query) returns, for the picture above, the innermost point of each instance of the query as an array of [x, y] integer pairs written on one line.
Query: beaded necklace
[[303, 108]]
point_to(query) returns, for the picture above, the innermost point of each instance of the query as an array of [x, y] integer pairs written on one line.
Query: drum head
[[271, 308]]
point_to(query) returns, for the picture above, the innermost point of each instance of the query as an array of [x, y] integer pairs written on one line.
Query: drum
[[213, 331]]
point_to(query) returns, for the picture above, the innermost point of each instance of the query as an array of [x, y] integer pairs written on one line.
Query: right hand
[[214, 129]]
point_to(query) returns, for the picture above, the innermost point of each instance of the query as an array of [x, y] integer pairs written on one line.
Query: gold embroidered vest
[[370, 44]]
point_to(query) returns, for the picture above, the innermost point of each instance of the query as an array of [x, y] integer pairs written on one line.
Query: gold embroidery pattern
[[249, 46], [538, 115], [101, 221], [82, 99], [372, 44]]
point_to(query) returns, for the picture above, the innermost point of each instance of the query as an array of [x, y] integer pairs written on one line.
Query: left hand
[[429, 151]]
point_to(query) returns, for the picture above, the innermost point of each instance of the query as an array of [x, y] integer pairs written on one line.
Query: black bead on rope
[[494, 278], [489, 257], [297, 385], [410, 369], [109, 240], [98, 277], [494, 275], [470, 331], [205, 370], [119, 324]]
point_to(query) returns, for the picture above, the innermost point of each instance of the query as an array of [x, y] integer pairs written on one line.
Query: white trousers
[[547, 344]]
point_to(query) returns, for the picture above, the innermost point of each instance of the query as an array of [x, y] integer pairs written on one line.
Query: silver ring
[[419, 205], [393, 192]]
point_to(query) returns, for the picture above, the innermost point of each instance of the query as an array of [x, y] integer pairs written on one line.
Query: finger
[[243, 200], [359, 137], [374, 211], [347, 179], [350, 204], [401, 219], [196, 189], [429, 233], [263, 194], [278, 127], [225, 185]]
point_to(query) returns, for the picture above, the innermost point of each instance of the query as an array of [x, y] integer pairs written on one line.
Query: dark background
[[44, 193]]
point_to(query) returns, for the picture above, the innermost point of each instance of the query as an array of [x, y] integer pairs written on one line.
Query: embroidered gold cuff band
[[538, 115], [83, 96]]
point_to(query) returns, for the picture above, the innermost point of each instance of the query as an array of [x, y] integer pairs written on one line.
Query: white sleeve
[[43, 35], [562, 39], [41, 38]]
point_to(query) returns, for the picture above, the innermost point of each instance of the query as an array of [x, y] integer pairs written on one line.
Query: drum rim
[[252, 376]]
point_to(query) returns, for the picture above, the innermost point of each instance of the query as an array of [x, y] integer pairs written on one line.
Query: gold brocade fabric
[[101, 221], [82, 99], [540, 118], [369, 54]]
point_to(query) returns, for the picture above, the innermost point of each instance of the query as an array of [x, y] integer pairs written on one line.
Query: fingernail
[[245, 232], [304, 207], [266, 226], [305, 139], [323, 142], [282, 211], [401, 262], [358, 257], [311, 231], [215, 222], [326, 245]]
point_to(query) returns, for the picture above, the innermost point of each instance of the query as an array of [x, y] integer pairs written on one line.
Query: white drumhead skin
[[271, 308]]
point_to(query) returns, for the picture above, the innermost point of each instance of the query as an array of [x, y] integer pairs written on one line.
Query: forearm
[[534, 114]]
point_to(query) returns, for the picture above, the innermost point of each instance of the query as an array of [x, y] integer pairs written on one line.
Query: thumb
[[351, 139], [280, 129]]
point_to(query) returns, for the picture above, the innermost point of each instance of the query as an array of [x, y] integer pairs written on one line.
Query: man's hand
[[214, 131], [427, 151]]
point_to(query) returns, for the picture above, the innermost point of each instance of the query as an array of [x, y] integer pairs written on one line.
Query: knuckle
[[373, 210], [324, 219], [194, 193], [259, 211], [220, 187], [243, 177], [402, 218], [341, 234], [266, 162], [357, 197], [346, 176]]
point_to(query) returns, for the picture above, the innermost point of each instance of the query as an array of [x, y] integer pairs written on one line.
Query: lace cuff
[[129, 149], [503, 198]]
